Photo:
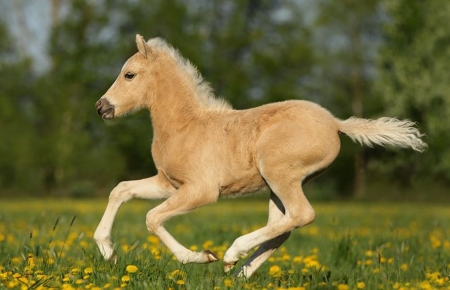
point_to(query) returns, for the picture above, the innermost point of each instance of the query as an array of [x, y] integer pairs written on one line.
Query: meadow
[[48, 244]]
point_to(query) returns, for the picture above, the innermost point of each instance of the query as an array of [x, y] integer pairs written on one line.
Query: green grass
[[47, 244]]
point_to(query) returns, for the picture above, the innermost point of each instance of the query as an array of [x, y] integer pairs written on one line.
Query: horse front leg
[[265, 250], [186, 199], [155, 187]]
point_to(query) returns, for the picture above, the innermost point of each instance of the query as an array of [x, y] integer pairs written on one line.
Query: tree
[[16, 151], [414, 81], [347, 40]]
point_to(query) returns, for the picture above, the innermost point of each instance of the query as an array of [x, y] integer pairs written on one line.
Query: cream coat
[[204, 149]]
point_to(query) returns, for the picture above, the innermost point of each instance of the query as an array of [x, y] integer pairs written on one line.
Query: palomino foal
[[203, 149]]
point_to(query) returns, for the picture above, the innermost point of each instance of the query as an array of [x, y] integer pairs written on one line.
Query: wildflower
[[342, 287], [404, 266], [207, 244], [275, 271], [360, 285], [131, 269], [153, 240], [297, 259], [125, 278], [425, 285], [228, 282], [88, 270], [79, 281], [180, 282]]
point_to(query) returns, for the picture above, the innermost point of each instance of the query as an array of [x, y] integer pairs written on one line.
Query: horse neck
[[174, 104]]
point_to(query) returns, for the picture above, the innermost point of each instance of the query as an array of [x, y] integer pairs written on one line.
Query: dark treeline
[[363, 58]]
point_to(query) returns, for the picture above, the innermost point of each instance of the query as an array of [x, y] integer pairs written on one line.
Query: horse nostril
[[99, 104], [104, 108]]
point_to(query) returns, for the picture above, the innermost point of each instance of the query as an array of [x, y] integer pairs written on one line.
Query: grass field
[[47, 244]]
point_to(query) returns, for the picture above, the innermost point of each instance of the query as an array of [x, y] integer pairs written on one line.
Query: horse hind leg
[[298, 213], [265, 250]]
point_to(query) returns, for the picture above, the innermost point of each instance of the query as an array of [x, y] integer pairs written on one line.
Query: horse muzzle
[[105, 109]]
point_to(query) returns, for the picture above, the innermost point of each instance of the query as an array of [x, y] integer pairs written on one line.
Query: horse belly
[[245, 184]]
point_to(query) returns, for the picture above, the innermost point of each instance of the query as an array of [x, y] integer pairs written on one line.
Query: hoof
[[228, 266], [212, 257], [114, 259]]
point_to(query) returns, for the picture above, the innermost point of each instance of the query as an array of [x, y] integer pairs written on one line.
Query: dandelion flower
[[360, 285], [131, 269], [125, 278], [275, 271]]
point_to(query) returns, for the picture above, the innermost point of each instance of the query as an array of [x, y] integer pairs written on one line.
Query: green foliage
[[413, 78], [252, 52]]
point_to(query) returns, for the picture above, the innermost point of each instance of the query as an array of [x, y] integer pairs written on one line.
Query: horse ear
[[142, 46]]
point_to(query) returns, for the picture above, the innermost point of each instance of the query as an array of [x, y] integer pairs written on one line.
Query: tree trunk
[[357, 110]]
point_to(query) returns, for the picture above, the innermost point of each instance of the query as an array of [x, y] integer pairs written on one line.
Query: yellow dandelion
[[180, 282], [88, 270], [131, 269], [360, 285], [207, 244], [297, 259], [79, 281], [425, 285], [404, 266], [153, 239], [125, 278], [228, 282], [275, 271], [342, 287]]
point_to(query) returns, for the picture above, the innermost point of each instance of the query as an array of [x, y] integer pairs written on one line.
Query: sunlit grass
[[48, 244]]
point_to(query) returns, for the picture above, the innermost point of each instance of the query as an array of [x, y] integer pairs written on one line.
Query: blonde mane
[[203, 91]]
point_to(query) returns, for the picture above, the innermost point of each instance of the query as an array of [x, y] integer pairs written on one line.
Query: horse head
[[130, 92]]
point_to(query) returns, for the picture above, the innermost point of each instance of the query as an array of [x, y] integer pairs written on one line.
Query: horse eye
[[129, 75]]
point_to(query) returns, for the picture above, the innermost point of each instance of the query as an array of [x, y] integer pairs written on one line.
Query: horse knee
[[306, 217], [151, 222], [119, 193]]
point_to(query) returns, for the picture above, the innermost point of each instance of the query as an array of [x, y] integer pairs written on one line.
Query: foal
[[203, 149]]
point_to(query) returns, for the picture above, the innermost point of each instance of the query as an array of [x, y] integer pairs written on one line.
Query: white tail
[[383, 131]]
